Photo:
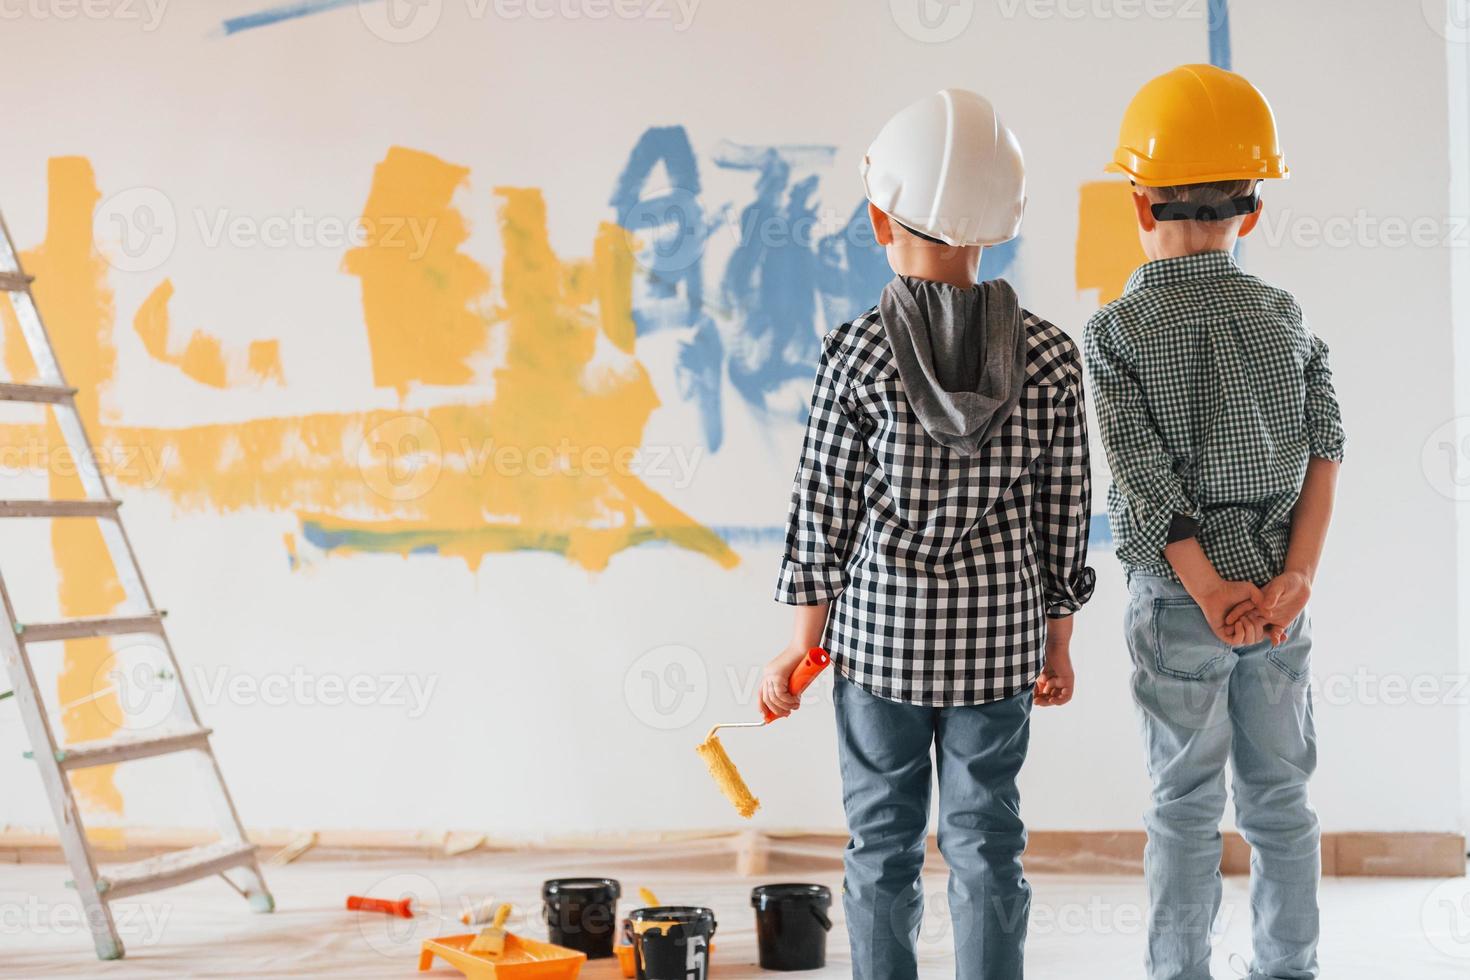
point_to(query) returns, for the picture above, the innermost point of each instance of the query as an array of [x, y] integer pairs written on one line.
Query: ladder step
[[106, 751], [46, 394], [174, 868], [58, 508], [75, 629], [15, 282]]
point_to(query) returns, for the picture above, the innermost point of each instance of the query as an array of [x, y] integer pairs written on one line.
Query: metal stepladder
[[96, 885]]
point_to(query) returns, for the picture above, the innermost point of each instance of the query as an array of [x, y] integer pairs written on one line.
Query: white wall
[[540, 719], [1458, 76]]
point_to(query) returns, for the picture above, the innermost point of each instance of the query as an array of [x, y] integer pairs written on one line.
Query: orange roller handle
[[811, 666], [403, 908]]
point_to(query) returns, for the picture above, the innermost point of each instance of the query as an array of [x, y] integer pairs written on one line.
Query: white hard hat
[[948, 167]]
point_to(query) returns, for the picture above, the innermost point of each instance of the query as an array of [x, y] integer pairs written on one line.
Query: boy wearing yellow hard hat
[[937, 543], [1223, 434]]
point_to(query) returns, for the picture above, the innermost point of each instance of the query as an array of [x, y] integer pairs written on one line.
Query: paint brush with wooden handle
[[725, 775], [491, 940]]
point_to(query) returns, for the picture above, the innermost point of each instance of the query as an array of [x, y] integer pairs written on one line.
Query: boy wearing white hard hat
[[937, 543]]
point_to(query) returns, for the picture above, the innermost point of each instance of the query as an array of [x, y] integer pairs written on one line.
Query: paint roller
[[722, 770]]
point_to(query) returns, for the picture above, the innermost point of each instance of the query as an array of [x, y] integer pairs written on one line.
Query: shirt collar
[[1185, 268]]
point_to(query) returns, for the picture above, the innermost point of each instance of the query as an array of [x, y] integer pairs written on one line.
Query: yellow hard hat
[[1195, 124]]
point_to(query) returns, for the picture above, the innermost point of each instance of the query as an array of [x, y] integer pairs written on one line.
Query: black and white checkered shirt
[[941, 568], [1211, 394]]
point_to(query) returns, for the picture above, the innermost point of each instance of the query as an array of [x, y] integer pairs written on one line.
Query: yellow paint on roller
[[203, 357], [1107, 238], [727, 777], [71, 287]]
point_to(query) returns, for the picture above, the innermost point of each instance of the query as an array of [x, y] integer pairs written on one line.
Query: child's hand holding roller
[[775, 690], [775, 695]]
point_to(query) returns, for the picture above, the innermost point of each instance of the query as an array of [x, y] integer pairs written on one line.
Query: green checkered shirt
[[1211, 395]]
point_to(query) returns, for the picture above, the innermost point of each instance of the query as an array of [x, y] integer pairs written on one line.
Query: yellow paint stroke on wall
[[263, 360], [1107, 238], [71, 287], [17, 362], [571, 375], [418, 288], [547, 463], [203, 357]]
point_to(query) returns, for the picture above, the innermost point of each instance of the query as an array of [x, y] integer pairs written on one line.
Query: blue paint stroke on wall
[[671, 291], [1100, 536], [275, 15], [1219, 14], [770, 282], [778, 289], [781, 287], [673, 216], [851, 269], [999, 261]]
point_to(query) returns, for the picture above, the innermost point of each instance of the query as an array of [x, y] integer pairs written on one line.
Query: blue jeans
[[884, 747], [1203, 704]]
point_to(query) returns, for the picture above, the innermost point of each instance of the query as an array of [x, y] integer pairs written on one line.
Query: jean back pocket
[[1184, 645], [1294, 657]]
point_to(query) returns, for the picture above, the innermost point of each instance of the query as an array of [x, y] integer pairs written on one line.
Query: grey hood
[[961, 355]]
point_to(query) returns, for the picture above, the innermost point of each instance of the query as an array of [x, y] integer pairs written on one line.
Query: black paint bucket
[[671, 942], [582, 914], [791, 925]]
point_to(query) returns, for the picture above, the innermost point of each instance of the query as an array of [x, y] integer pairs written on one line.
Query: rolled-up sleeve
[[1326, 438], [1142, 466], [826, 501], [1062, 509]]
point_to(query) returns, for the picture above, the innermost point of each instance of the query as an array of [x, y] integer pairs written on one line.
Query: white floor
[[1081, 927]]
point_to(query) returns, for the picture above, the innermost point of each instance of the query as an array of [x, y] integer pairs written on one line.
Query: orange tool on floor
[[726, 776], [403, 907]]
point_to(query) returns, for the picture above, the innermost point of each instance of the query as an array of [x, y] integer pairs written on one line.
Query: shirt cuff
[[1151, 529], [809, 585], [1182, 528], [1061, 603], [1329, 447]]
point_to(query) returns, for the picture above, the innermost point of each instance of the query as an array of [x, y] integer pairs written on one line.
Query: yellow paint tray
[[523, 959]]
